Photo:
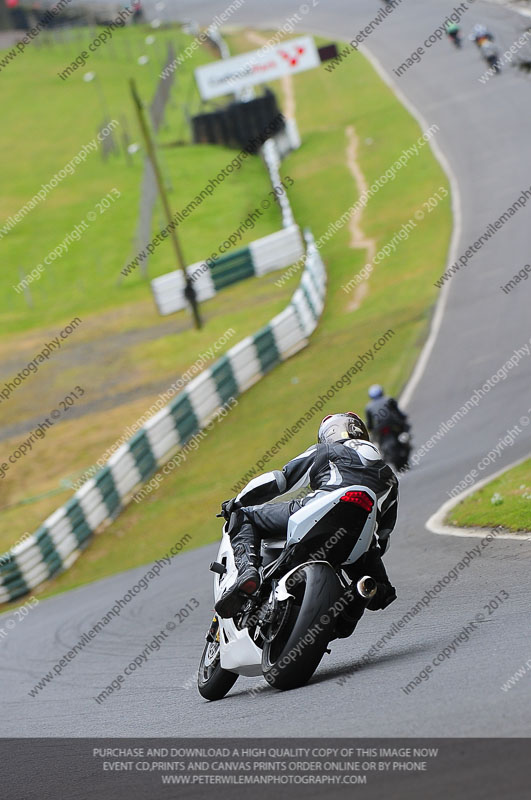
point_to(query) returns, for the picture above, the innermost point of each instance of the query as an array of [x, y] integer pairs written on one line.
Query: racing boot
[[386, 592], [245, 545]]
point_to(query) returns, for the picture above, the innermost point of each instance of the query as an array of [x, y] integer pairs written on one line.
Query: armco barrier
[[272, 154], [276, 251], [288, 139], [63, 536]]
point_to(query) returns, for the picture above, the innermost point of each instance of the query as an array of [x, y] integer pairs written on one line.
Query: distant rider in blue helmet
[[383, 411], [388, 426]]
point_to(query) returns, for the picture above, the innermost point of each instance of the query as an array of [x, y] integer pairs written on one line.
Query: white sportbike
[[310, 594]]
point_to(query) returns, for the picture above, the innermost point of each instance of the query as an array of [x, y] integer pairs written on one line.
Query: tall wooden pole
[[150, 149]]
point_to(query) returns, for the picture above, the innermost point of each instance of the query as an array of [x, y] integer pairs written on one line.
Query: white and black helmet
[[338, 427]]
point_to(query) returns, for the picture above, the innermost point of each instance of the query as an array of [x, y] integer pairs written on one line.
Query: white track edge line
[[436, 524], [440, 305]]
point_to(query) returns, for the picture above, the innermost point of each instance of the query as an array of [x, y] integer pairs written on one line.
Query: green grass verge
[[505, 501], [400, 296], [123, 353], [122, 374], [54, 121]]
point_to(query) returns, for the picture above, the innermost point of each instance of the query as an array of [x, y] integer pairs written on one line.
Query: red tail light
[[361, 499]]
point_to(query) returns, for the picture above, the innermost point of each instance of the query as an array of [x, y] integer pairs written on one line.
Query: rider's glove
[[229, 506]]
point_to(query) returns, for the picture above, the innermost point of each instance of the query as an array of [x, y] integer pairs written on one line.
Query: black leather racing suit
[[384, 413], [324, 468]]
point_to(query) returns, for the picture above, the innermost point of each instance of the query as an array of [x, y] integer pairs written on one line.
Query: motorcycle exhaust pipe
[[367, 587]]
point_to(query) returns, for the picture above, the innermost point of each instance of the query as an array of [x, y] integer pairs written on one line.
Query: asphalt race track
[[484, 135]]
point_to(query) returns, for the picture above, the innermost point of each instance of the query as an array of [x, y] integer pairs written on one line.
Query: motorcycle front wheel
[[213, 681], [303, 626]]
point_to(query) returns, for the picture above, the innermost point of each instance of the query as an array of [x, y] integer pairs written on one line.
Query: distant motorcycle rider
[[490, 53], [383, 413], [453, 31], [344, 456], [480, 34]]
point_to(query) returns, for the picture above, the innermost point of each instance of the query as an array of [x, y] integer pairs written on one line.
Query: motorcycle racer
[[383, 411], [343, 456]]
